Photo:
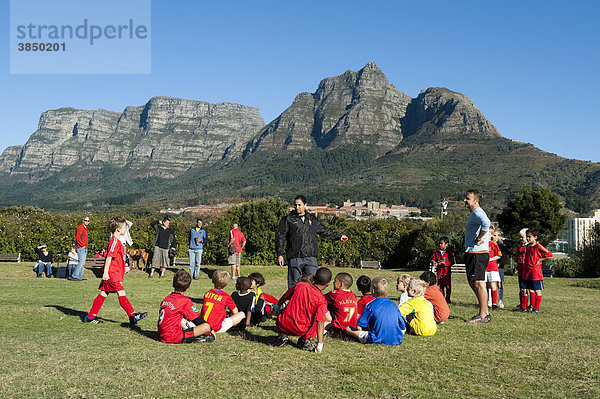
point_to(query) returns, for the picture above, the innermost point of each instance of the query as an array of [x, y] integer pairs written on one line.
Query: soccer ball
[[187, 324]]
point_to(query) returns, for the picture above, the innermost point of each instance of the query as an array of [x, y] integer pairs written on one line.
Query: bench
[[10, 257], [548, 271], [458, 268], [94, 262], [181, 261], [369, 264]]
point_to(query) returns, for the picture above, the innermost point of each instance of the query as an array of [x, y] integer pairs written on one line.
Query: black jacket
[[301, 237], [165, 238]]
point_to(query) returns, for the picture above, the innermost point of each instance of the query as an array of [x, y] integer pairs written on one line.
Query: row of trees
[[395, 243]]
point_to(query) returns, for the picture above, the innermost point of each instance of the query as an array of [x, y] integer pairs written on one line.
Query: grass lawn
[[48, 352]]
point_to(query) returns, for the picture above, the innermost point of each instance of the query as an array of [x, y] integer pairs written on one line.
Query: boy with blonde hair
[[418, 311], [112, 277], [381, 321], [216, 302]]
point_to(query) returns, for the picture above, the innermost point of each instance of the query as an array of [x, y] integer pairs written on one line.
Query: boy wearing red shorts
[[112, 277], [178, 319], [342, 304], [442, 260], [532, 272], [306, 313]]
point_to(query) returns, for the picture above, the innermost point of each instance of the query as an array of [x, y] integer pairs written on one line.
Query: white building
[[579, 230]]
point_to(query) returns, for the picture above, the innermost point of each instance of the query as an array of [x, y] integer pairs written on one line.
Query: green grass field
[[48, 352]]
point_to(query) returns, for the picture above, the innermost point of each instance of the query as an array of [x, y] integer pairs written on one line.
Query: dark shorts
[[533, 285], [111, 286], [475, 265], [522, 284]]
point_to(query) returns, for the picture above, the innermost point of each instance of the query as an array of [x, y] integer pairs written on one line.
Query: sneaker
[[137, 317], [529, 309], [306, 344], [487, 318], [535, 310], [95, 320], [204, 339], [494, 307], [282, 340], [501, 304], [519, 309]]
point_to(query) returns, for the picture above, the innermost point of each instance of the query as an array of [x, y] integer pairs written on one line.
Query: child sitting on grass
[[418, 312], [178, 319], [341, 302], [244, 299], [441, 311], [306, 313], [262, 300], [364, 286], [112, 277], [215, 304], [381, 321], [402, 286]]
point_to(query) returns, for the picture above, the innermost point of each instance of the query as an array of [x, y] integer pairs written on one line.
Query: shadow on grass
[[146, 333], [270, 340], [78, 313]]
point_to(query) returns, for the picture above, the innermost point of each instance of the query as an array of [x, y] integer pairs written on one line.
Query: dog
[[136, 256]]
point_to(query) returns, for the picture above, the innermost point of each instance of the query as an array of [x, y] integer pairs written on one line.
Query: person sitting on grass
[[381, 321], [402, 286], [178, 319], [306, 313], [341, 302], [532, 272], [44, 262], [441, 311], [364, 286], [262, 301], [216, 302], [418, 312], [112, 277], [244, 299]]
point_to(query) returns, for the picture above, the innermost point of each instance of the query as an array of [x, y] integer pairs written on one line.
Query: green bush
[[565, 267]]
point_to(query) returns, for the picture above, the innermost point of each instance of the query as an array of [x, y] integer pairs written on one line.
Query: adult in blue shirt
[[198, 238], [477, 253]]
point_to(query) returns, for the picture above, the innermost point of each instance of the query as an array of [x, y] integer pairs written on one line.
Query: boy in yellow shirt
[[418, 312]]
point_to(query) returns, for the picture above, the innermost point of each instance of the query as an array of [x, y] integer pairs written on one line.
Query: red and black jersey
[[306, 306], [520, 257], [214, 307], [447, 257], [532, 269], [342, 305], [173, 309], [494, 251]]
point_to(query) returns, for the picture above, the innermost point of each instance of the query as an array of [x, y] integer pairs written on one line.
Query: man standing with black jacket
[[163, 242], [299, 230]]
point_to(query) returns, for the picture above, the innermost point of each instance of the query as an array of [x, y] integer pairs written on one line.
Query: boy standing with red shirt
[[178, 319], [520, 258], [112, 278], [492, 274], [306, 313], [342, 304], [532, 272], [442, 260], [216, 302]]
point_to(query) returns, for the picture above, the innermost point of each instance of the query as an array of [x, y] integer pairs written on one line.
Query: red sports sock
[[524, 299], [532, 301], [538, 301], [126, 305], [494, 297], [96, 306]]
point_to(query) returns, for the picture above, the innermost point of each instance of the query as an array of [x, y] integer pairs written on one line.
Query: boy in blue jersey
[[381, 321]]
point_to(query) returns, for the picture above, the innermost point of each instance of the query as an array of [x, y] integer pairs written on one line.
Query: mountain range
[[356, 137]]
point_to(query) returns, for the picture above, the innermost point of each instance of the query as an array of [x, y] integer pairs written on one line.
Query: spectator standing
[[237, 238], [81, 246], [299, 231], [163, 242], [198, 238]]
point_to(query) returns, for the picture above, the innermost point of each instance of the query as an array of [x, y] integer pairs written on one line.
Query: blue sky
[[532, 67]]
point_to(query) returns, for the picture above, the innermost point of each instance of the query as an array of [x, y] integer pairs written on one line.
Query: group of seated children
[[304, 311]]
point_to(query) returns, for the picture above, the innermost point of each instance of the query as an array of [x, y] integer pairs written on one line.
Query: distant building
[[580, 229], [366, 209]]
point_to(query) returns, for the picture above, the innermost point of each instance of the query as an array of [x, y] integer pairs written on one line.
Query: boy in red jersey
[[216, 302], [520, 258], [364, 285], [306, 313], [112, 277], [442, 260], [532, 272], [342, 304], [178, 319], [492, 275]]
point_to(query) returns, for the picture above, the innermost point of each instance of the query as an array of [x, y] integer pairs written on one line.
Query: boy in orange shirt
[[441, 311]]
